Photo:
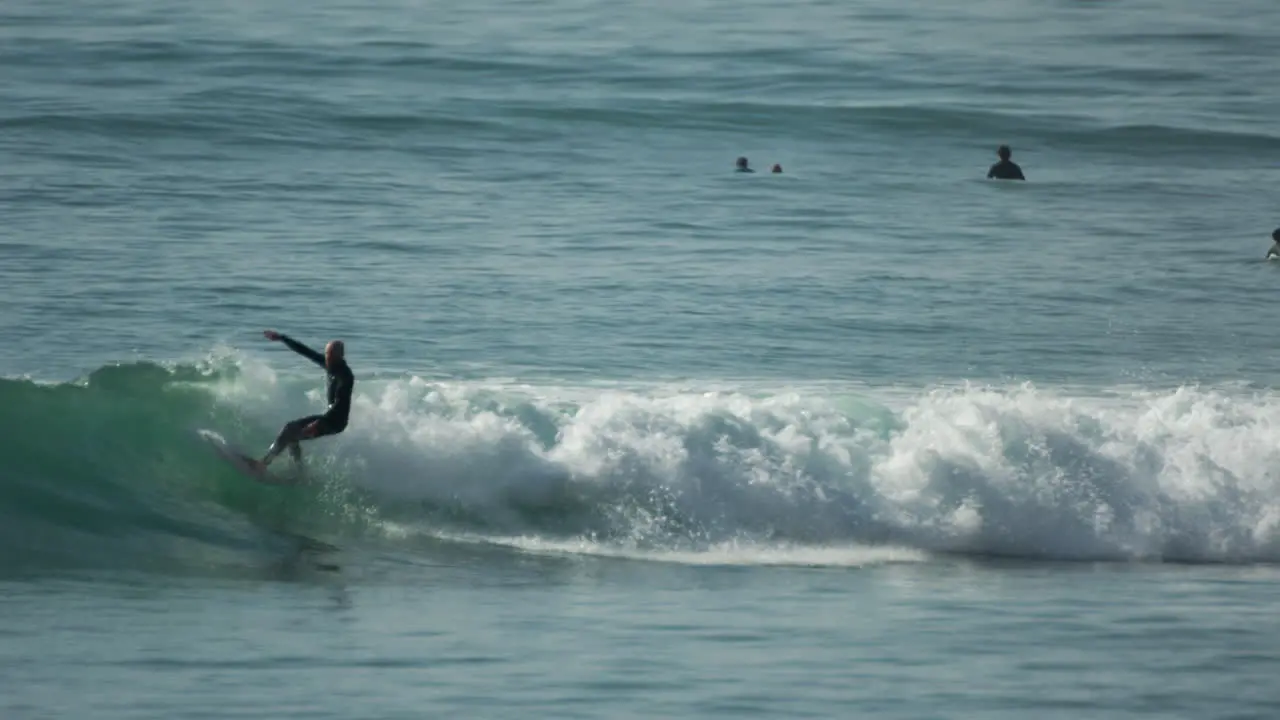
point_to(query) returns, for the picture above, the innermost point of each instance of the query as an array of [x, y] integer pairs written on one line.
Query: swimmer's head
[[1004, 152], [1275, 235], [777, 168], [742, 163], [334, 352]]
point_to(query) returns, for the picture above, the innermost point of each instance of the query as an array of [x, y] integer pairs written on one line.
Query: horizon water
[[635, 435]]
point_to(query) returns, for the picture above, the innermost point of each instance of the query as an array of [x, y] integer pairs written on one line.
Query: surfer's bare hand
[[271, 335]]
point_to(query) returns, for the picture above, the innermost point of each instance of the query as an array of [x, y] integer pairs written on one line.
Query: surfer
[[334, 419], [1006, 169], [742, 166], [1275, 249]]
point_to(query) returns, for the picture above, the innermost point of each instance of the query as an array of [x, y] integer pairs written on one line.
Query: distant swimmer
[[334, 419], [742, 165], [777, 168], [1274, 252], [1006, 169]]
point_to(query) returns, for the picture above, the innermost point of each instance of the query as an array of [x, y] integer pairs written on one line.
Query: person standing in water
[[1275, 249], [1006, 169], [333, 420]]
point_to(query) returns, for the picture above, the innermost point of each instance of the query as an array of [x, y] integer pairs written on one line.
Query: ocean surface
[[635, 435]]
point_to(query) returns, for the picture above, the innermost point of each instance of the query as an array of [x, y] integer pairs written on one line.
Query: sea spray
[[1032, 472]]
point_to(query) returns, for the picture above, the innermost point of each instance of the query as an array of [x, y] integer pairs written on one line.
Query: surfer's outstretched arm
[[296, 346]]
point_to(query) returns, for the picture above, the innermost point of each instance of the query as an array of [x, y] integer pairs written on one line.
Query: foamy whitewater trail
[[1185, 475], [721, 554]]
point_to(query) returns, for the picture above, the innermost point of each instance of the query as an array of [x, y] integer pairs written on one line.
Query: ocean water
[[635, 435]]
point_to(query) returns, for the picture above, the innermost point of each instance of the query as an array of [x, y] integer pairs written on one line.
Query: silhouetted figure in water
[[1274, 252], [1006, 169], [777, 168], [742, 165]]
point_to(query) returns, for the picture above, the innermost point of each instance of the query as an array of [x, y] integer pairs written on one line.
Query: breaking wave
[[108, 471]]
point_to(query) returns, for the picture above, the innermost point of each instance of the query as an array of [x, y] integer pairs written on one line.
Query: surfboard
[[240, 461]]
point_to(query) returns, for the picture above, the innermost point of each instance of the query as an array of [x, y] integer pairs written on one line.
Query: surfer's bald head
[[334, 352]]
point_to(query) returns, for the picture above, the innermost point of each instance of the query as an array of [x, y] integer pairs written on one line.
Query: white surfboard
[[239, 460]]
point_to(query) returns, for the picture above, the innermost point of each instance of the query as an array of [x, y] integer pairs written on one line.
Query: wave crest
[[108, 470]]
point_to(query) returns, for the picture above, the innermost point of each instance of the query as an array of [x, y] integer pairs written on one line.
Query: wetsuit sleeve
[[303, 350]]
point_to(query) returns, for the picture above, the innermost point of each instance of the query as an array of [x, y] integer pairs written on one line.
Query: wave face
[[108, 472]]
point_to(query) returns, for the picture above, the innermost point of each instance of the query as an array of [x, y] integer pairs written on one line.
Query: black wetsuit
[[1005, 170], [334, 419]]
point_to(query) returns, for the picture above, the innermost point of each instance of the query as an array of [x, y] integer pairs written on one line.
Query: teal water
[[635, 435]]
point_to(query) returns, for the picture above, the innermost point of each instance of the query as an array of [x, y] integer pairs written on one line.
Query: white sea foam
[[1186, 474]]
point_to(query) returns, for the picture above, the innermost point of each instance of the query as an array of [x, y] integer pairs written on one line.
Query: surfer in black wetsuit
[[1275, 249], [334, 419], [1006, 169]]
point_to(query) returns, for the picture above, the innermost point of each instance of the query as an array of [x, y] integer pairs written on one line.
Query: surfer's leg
[[289, 436], [323, 426]]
